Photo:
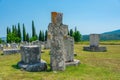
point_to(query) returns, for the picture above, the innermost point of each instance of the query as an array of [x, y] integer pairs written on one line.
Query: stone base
[[40, 66], [95, 49], [73, 63]]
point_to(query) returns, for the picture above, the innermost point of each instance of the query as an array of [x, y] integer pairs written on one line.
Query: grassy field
[[94, 66]]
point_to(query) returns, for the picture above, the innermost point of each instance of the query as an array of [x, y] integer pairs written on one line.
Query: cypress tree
[[40, 35], [71, 32], [75, 29], [7, 34], [13, 29], [43, 37], [19, 32], [24, 33], [27, 37], [46, 33], [68, 32], [33, 30]]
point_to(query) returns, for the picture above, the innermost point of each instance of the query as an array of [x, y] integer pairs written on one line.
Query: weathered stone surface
[[31, 59], [56, 32], [61, 45], [36, 43], [75, 62], [8, 45], [25, 43], [69, 48], [56, 18], [57, 54], [30, 54], [40, 66], [95, 49], [94, 40], [10, 51], [14, 46]]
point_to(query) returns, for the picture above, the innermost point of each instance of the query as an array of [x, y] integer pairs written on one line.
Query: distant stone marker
[[94, 44], [14, 45], [94, 40], [61, 45], [31, 59]]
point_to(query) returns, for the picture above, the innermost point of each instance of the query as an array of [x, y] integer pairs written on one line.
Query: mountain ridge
[[111, 35]]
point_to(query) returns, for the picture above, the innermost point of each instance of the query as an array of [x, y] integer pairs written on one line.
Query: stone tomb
[[62, 45], [94, 44], [31, 59]]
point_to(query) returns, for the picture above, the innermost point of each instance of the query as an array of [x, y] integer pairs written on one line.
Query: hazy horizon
[[89, 16]]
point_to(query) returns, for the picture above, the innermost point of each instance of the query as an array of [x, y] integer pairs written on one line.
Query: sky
[[89, 16]]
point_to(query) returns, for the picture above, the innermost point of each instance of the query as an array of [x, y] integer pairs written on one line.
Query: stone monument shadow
[[15, 66]]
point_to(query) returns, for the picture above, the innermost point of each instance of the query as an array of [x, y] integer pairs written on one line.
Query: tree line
[[75, 34], [16, 35]]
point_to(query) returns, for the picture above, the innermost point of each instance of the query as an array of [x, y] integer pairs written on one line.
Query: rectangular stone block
[[56, 17], [94, 40], [69, 49], [30, 54]]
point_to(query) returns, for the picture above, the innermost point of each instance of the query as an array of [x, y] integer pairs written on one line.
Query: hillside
[[112, 35]]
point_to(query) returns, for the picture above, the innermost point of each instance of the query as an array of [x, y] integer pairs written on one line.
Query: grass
[[94, 66], [109, 42]]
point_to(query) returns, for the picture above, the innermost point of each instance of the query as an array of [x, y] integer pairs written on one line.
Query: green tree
[[12, 38], [46, 33], [68, 32], [43, 37], [71, 32], [75, 29], [0, 40], [40, 35], [27, 37], [33, 30], [24, 33], [19, 32], [8, 33], [13, 29], [77, 36], [33, 39]]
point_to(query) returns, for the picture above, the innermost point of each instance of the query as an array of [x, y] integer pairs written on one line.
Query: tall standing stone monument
[[56, 34], [94, 44], [62, 45]]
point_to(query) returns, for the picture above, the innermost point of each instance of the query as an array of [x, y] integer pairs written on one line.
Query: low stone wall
[[10, 51]]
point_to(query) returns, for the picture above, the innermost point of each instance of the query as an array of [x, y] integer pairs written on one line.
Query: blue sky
[[90, 16]]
